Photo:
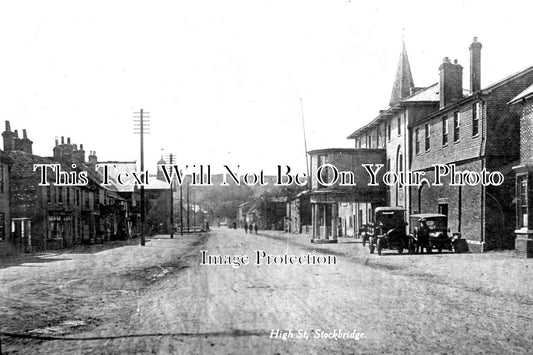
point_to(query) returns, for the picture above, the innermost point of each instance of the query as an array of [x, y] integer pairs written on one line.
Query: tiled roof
[[425, 95], [23, 164], [506, 80], [523, 95]]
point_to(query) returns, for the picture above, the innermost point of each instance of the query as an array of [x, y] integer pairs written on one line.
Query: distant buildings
[[268, 212]]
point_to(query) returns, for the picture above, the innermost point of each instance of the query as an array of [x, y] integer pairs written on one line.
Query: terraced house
[[51, 216]]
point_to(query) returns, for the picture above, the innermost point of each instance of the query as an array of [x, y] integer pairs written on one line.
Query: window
[[77, 197], [417, 140], [369, 141], [1, 179], [360, 143], [378, 137], [523, 207], [456, 126], [399, 125], [428, 136], [2, 227], [444, 130], [68, 195], [48, 193], [476, 112], [387, 168], [388, 132], [60, 194]]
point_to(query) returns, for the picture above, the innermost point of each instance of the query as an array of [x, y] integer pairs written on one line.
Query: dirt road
[[159, 299]]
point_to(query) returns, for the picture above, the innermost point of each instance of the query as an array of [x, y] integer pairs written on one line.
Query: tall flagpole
[[305, 146]]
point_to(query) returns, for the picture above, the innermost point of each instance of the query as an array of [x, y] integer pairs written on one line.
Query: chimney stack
[[475, 65], [451, 82], [93, 159], [9, 138], [68, 140], [25, 144], [78, 155], [62, 140]]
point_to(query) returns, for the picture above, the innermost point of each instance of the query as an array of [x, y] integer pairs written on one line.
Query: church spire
[[403, 81]]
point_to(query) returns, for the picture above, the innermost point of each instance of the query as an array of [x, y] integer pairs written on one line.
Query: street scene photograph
[[252, 177]]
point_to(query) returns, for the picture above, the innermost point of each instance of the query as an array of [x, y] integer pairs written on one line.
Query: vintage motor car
[[438, 233], [389, 231]]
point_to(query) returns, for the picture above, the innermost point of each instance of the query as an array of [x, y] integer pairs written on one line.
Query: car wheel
[[371, 245], [400, 250], [379, 246], [455, 248], [439, 249], [429, 248]]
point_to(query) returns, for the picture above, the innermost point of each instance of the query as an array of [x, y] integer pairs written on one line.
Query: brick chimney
[[78, 155], [9, 138], [451, 82], [25, 144], [475, 65], [93, 159], [13, 142]]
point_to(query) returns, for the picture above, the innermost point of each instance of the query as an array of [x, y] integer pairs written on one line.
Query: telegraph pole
[[193, 209], [141, 126], [188, 210], [181, 208], [171, 161]]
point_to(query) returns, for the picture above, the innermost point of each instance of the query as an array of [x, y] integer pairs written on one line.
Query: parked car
[[389, 231], [438, 233]]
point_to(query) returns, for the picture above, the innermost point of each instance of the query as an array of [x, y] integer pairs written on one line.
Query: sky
[[222, 80]]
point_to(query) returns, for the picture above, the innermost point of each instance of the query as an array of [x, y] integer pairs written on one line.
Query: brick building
[[473, 132], [447, 124], [52, 216], [7, 244], [523, 104]]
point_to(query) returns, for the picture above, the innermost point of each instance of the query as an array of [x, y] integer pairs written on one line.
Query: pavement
[[160, 299]]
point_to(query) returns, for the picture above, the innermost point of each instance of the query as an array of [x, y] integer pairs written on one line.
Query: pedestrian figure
[[423, 236], [245, 227], [255, 227]]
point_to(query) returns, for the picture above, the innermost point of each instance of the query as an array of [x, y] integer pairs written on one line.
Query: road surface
[[160, 299]]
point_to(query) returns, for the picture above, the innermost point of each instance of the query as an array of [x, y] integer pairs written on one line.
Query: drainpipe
[[483, 165]]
